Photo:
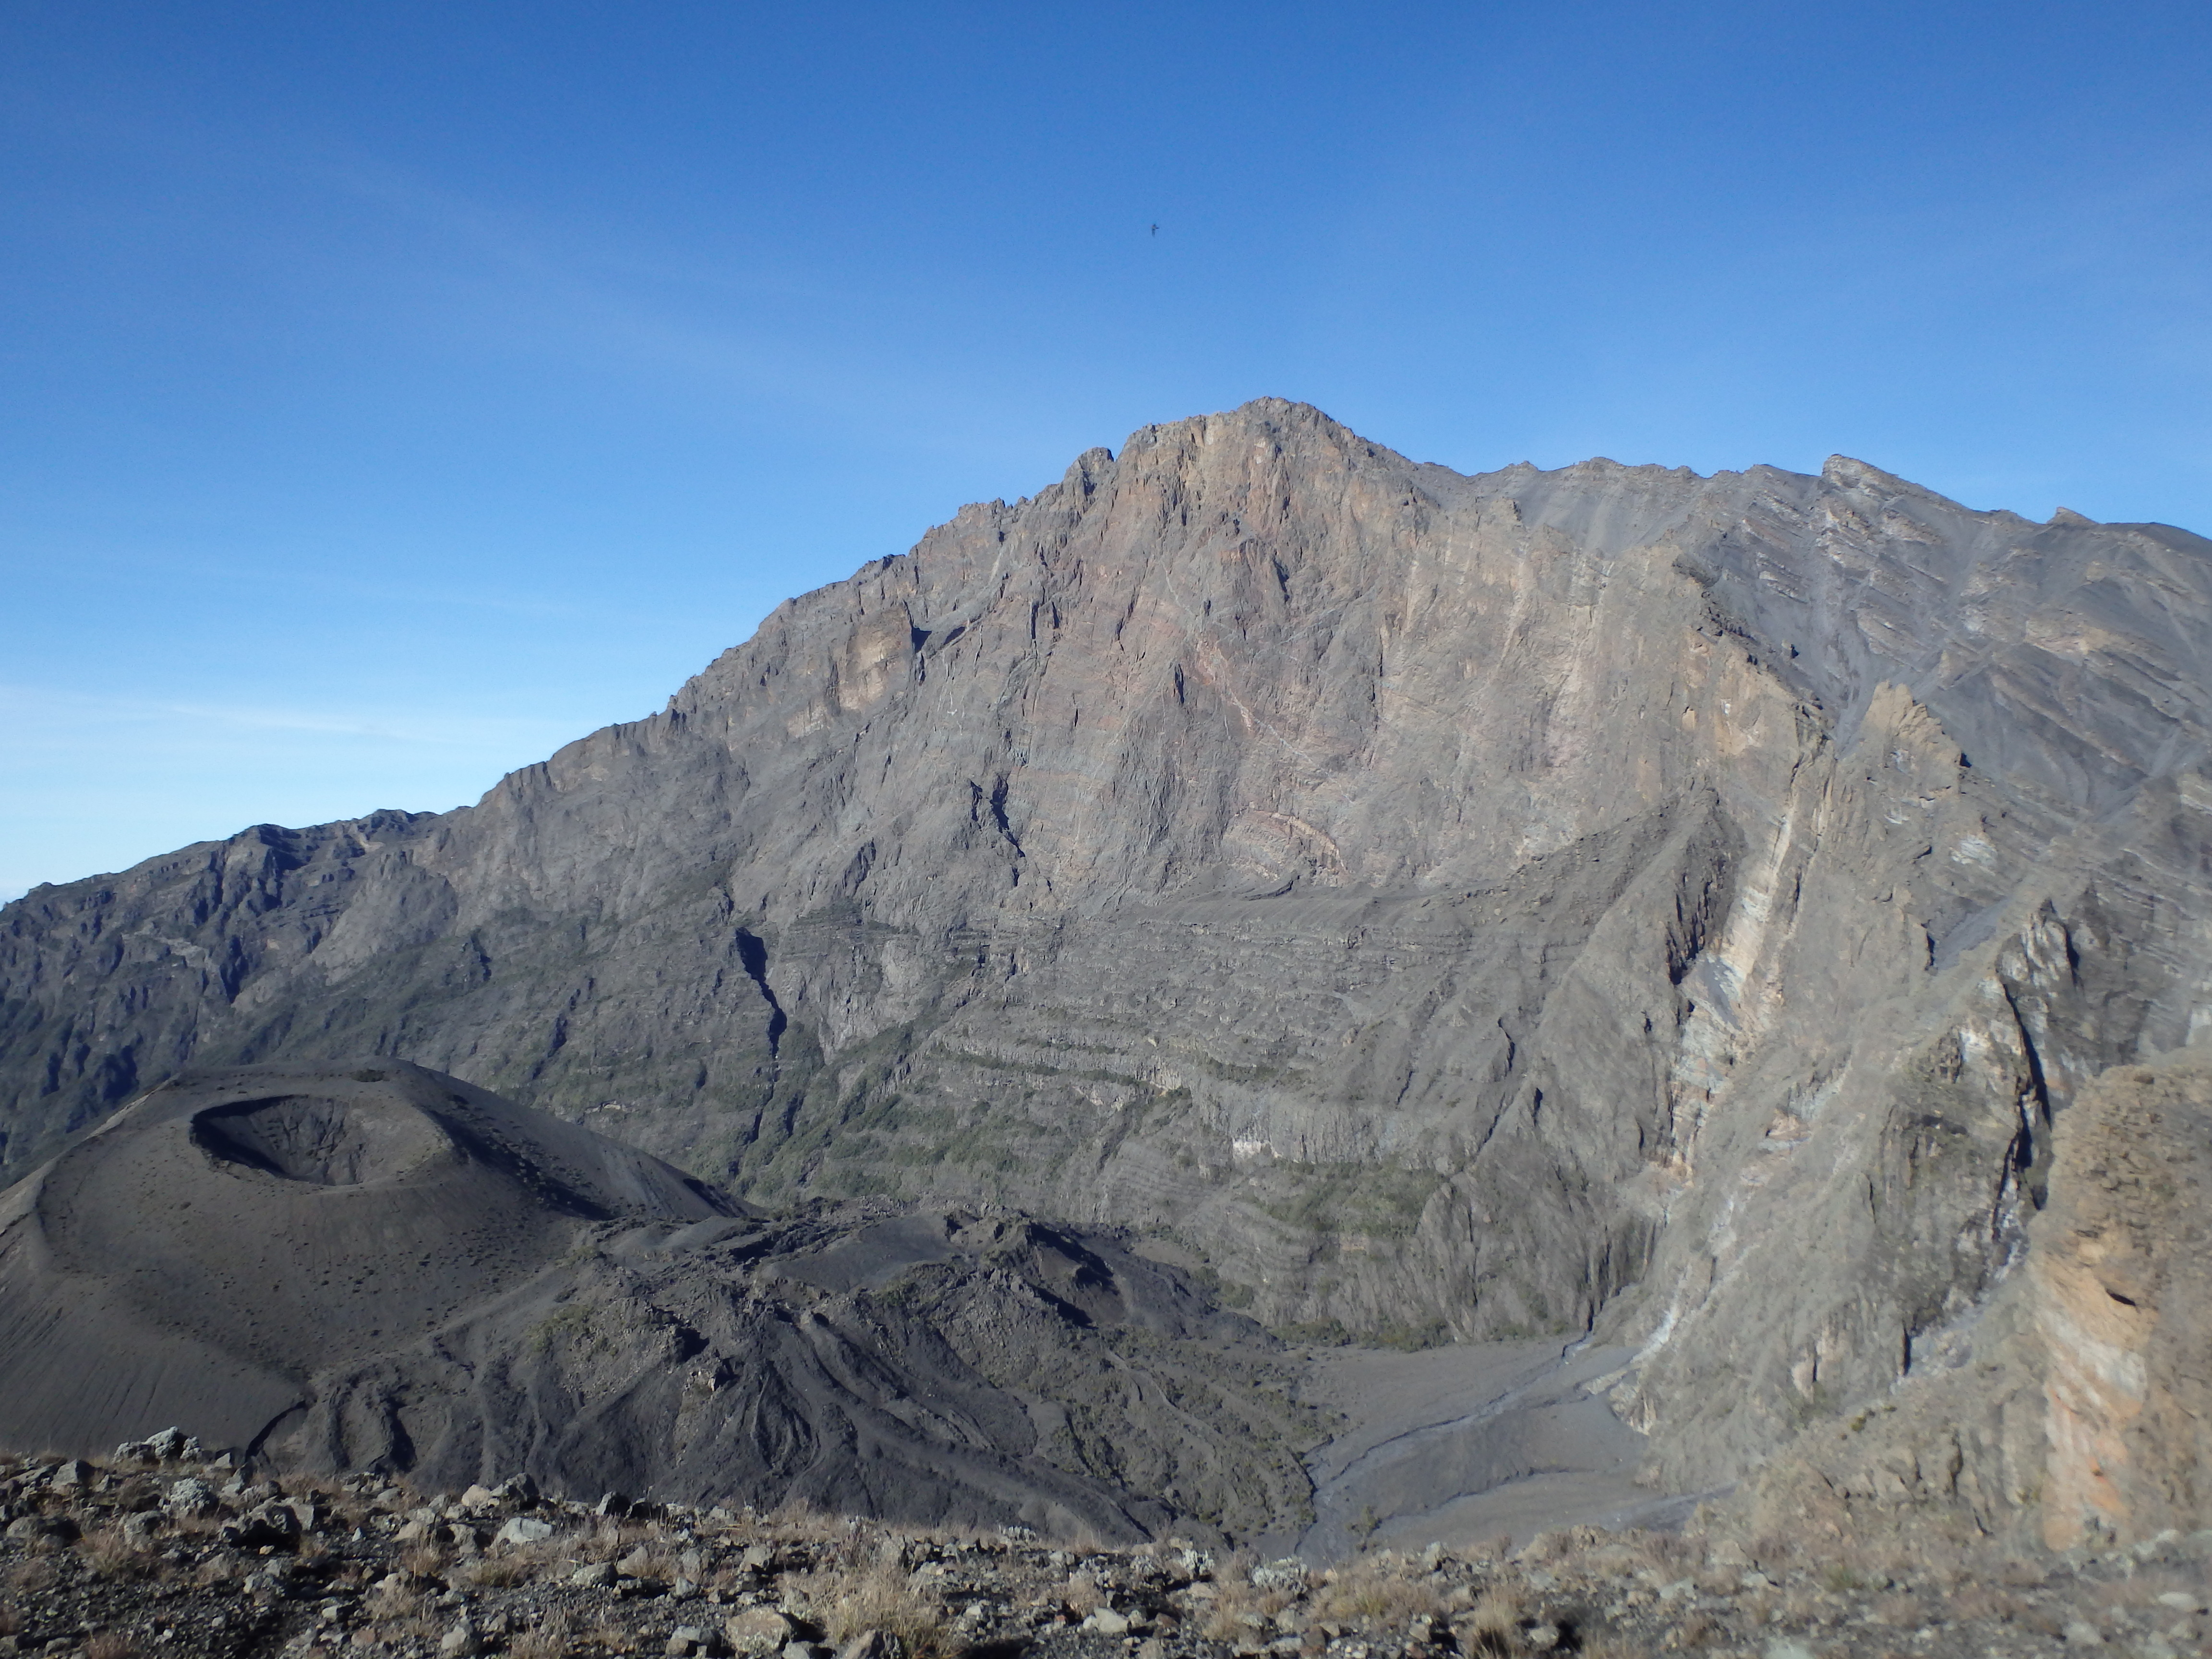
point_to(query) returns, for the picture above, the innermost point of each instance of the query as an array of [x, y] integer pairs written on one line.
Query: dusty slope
[[1442, 903], [388, 1269]]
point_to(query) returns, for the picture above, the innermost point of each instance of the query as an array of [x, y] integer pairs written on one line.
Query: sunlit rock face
[[2123, 1299], [1440, 906]]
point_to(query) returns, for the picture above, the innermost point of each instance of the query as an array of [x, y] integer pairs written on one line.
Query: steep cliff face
[[2073, 1407], [1442, 905]]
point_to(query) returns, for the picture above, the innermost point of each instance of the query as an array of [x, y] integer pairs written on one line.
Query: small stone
[[524, 1530], [2181, 1600], [1287, 1574], [873, 1644], [460, 1641], [758, 1630], [271, 1527], [477, 1498], [636, 1565], [684, 1641], [806, 1650], [597, 1575], [757, 1557], [2081, 1633], [1107, 1622]]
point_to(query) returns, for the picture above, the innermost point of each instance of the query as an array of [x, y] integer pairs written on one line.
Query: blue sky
[[390, 393]]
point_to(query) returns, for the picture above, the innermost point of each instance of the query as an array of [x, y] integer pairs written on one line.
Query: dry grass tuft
[[2019, 1573], [499, 1571], [109, 1644], [216, 1570], [1494, 1624], [1898, 1611], [109, 1553], [1982, 1602], [1237, 1604], [879, 1598], [1368, 1590], [607, 1636], [549, 1640], [1081, 1592], [395, 1605], [1698, 1631]]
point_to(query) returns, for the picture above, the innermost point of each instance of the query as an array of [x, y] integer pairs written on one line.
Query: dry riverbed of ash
[[1458, 1444], [147, 1557]]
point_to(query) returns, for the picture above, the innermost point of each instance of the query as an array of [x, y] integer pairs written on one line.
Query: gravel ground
[[149, 1556]]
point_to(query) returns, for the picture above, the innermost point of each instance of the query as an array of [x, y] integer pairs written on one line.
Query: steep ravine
[[1436, 906]]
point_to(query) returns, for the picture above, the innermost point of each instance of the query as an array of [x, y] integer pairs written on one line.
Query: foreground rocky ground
[[162, 1552]]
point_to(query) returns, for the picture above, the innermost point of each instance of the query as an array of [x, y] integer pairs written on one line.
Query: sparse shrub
[[109, 1644]]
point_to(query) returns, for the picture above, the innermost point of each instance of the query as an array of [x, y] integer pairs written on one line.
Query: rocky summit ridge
[[1678, 911]]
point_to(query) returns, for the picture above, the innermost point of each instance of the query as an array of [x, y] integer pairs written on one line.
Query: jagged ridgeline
[[1436, 906]]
